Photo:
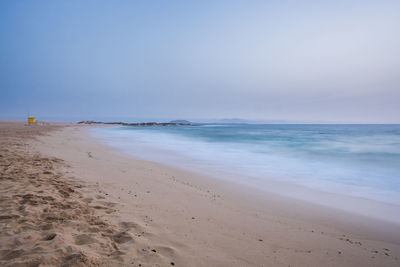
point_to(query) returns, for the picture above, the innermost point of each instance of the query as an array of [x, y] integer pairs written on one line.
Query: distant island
[[171, 123]]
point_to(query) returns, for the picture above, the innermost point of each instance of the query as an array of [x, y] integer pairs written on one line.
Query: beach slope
[[67, 199]]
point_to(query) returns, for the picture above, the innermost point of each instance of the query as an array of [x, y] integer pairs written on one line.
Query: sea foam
[[355, 160]]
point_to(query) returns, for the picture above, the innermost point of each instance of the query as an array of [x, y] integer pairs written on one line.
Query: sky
[[289, 61]]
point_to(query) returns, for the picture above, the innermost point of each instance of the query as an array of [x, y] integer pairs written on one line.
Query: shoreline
[[358, 205], [200, 221], [249, 199]]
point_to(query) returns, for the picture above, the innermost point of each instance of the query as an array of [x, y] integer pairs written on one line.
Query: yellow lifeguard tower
[[31, 120]]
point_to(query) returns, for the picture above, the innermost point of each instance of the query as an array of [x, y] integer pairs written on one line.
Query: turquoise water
[[355, 160]]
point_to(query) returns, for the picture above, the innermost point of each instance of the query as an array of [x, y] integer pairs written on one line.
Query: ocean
[[354, 160]]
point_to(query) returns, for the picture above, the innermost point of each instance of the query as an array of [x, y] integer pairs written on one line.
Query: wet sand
[[66, 199]]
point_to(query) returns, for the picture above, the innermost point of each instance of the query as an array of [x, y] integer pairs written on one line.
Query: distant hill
[[180, 122], [234, 121], [229, 121]]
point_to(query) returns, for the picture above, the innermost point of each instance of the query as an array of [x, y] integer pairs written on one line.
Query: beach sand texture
[[48, 218], [67, 200]]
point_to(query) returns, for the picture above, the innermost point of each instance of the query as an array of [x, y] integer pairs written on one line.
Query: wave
[[358, 160]]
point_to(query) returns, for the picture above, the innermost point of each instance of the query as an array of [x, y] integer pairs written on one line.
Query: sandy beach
[[69, 200]]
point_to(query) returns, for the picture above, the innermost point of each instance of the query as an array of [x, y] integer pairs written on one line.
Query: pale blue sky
[[333, 61]]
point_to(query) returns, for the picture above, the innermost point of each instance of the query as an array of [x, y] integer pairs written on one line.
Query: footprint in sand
[[122, 237], [84, 239]]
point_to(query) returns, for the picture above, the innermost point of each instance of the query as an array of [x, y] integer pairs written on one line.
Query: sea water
[[355, 160]]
